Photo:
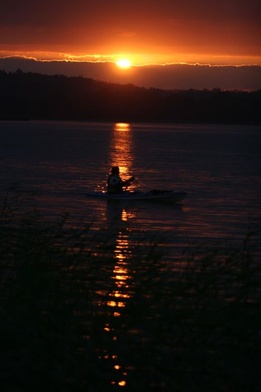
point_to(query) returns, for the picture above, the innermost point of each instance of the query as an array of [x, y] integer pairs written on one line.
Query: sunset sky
[[225, 32], [144, 31]]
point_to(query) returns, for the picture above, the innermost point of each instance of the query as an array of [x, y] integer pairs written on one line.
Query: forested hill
[[37, 96]]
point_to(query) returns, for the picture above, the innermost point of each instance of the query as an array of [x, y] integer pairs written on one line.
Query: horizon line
[[80, 59]]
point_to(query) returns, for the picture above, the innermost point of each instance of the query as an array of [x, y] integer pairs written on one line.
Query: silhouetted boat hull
[[153, 195]]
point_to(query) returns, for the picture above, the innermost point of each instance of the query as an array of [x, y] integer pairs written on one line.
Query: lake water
[[53, 164], [50, 166]]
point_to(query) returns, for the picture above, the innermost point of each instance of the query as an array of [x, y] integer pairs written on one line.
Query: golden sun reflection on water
[[117, 298], [116, 301], [121, 273], [121, 148], [122, 127]]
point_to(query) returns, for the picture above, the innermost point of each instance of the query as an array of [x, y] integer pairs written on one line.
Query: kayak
[[153, 195]]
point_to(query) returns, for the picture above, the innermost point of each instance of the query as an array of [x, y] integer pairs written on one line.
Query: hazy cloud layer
[[165, 77]]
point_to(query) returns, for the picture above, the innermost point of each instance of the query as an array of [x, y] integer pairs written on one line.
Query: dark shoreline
[[31, 96], [126, 120]]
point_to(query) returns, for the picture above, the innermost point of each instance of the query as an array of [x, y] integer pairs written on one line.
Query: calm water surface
[[51, 165]]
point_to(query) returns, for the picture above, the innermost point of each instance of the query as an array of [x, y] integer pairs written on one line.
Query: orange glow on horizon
[[138, 59]]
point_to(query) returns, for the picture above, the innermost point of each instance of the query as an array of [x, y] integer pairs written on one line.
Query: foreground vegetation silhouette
[[195, 327], [32, 96]]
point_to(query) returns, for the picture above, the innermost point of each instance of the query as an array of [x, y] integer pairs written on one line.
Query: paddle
[[128, 182], [149, 167]]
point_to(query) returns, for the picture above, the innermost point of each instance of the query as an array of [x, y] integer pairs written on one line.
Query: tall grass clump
[[199, 323], [192, 325], [46, 302]]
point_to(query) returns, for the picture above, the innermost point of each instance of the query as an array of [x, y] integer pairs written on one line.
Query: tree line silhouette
[[33, 96]]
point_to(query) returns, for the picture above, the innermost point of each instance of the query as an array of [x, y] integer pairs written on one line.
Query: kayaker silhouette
[[115, 184]]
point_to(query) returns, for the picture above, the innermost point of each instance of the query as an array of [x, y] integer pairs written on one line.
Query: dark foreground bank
[[194, 327]]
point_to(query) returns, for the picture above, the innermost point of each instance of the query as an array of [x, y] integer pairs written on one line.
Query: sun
[[123, 63]]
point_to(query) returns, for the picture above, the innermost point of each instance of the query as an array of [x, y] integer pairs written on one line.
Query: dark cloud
[[32, 10]]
